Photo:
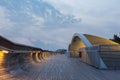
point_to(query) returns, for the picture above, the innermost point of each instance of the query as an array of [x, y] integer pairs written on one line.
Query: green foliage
[[116, 38]]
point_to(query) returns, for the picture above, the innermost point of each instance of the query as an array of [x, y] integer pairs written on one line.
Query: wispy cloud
[[22, 40], [36, 18], [5, 22], [50, 24], [103, 10]]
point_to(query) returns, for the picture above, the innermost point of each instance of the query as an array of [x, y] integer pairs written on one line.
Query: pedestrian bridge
[[23, 62]]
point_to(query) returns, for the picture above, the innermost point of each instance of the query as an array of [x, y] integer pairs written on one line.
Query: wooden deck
[[62, 67]]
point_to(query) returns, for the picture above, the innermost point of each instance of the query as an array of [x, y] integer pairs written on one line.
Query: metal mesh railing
[[110, 55]]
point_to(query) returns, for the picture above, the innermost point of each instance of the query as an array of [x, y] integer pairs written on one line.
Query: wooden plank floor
[[62, 67]]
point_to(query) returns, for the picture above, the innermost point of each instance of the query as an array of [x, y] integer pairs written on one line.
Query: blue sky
[[50, 24]]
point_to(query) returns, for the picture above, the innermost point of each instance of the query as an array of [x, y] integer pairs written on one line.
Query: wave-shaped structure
[[17, 59], [96, 51]]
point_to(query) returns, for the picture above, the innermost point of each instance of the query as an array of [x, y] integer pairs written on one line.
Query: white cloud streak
[[91, 11], [5, 22], [22, 40], [37, 19], [98, 17]]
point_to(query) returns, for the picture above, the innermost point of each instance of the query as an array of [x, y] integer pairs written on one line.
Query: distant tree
[[63, 51], [116, 38]]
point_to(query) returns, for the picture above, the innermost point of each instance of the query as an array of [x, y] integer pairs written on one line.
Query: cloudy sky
[[50, 24]]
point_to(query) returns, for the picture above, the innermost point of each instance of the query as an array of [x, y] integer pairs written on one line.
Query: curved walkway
[[62, 67]]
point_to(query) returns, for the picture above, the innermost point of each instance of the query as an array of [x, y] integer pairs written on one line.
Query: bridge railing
[[13, 61], [90, 56], [108, 54]]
